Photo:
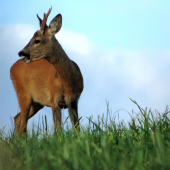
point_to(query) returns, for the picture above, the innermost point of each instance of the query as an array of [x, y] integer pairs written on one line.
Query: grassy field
[[142, 144]]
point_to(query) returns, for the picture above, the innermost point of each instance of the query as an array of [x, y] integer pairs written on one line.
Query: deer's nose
[[21, 54]]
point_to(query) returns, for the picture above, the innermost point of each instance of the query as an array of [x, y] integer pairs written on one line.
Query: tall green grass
[[143, 143]]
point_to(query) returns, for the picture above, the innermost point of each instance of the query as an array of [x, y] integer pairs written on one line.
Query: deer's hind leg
[[73, 113]]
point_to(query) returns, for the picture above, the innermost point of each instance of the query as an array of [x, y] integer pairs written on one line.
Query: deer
[[46, 76]]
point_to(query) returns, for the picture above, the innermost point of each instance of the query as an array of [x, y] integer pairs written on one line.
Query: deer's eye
[[36, 41]]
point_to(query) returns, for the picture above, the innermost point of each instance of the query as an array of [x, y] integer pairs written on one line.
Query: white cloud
[[23, 32], [15, 35], [78, 43]]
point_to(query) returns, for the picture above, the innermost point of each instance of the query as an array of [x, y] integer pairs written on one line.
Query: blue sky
[[111, 24], [122, 48]]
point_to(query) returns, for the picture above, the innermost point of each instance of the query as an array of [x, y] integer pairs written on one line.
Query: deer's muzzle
[[26, 57]]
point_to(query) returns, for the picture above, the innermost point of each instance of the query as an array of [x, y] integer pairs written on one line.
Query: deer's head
[[43, 40]]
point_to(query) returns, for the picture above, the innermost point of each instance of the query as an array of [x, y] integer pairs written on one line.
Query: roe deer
[[54, 80]]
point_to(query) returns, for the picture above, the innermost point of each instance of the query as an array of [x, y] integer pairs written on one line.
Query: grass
[[143, 143]]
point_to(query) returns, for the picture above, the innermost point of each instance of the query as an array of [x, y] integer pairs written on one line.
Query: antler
[[45, 19]]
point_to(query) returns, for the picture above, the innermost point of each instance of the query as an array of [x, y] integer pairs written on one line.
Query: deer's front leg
[[35, 107], [57, 117]]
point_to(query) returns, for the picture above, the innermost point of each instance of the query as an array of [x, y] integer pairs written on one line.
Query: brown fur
[[54, 80]]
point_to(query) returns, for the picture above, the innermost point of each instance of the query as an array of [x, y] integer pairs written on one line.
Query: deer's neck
[[66, 71]]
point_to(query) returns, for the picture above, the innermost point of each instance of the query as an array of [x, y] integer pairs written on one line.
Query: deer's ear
[[55, 24]]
